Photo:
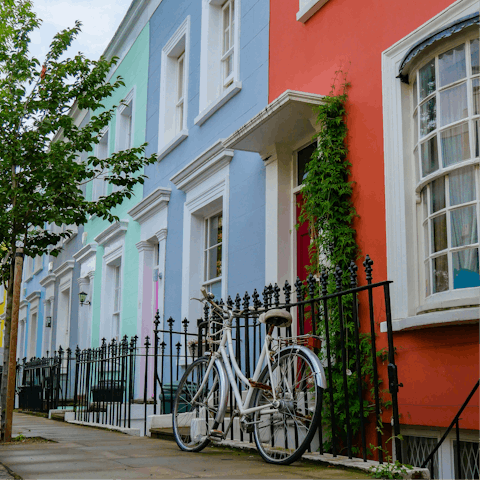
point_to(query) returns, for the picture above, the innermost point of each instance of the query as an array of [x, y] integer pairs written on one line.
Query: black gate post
[[392, 374]]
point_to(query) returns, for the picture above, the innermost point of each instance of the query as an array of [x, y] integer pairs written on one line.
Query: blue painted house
[[202, 216]]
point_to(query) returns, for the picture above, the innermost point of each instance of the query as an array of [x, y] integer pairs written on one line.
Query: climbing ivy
[[329, 212]]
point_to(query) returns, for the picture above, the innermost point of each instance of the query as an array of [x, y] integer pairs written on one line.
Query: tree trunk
[[6, 347]]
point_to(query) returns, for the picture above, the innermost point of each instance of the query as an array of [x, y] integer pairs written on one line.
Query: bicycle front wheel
[[196, 406], [282, 434]]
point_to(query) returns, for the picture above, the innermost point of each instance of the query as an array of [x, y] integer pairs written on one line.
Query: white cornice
[[134, 21], [143, 246], [204, 166], [161, 234], [151, 204], [49, 279], [112, 232], [64, 268], [85, 253], [34, 295], [287, 119]]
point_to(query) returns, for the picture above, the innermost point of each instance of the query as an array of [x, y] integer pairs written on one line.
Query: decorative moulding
[[309, 8], [112, 232], [23, 304], [203, 167], [33, 296], [161, 234], [49, 279], [85, 253], [151, 204], [435, 319], [284, 121], [174, 143], [64, 268], [207, 112], [144, 246]]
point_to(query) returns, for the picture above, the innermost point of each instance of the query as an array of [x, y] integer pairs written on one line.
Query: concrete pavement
[[84, 452]]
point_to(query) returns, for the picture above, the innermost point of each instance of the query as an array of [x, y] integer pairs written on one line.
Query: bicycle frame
[[228, 359]]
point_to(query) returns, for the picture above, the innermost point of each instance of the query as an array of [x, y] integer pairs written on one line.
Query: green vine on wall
[[328, 209]]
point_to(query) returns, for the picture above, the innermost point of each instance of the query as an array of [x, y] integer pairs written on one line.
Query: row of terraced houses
[[222, 91]]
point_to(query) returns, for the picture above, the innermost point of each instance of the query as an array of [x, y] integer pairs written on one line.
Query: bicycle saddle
[[276, 317]]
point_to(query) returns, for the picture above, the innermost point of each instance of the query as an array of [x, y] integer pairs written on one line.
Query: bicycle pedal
[[216, 434]]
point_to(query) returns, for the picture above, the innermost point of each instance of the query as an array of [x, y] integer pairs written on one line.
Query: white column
[[162, 244], [145, 286]]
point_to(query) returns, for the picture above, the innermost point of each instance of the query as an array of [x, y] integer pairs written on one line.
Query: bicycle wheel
[[283, 433], [194, 410]]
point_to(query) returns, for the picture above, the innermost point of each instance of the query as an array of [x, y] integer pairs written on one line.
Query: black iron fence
[[43, 384], [121, 383]]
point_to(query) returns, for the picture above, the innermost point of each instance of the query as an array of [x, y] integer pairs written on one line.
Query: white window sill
[[435, 319], [30, 277], [207, 112], [38, 270], [310, 9], [70, 238], [174, 143]]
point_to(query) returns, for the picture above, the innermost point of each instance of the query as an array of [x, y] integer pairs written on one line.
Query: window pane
[[213, 235], [216, 289], [226, 29], [440, 274], [428, 117], [455, 145], [453, 104], [462, 186], [180, 78], [424, 201], [415, 93], [464, 226], [415, 129], [427, 79], [477, 135], [427, 280], [215, 262], [429, 156], [465, 268], [417, 166], [303, 157], [439, 227], [476, 96], [475, 56], [206, 277], [427, 243], [452, 65], [437, 194]]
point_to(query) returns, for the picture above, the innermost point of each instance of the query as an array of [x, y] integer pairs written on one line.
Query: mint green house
[[109, 256]]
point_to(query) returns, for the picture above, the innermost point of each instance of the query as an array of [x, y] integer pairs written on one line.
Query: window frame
[[101, 152], [403, 255], [177, 48], [207, 283], [424, 183], [216, 90]]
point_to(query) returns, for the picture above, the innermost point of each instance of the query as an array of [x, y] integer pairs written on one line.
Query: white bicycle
[[282, 402]]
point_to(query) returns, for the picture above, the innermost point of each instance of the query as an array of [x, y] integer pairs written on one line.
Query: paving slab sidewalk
[[85, 452]]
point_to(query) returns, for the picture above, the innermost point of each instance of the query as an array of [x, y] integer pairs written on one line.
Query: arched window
[[446, 108]]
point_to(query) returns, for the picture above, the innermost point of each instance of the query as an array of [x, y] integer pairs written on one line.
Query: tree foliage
[[42, 180]]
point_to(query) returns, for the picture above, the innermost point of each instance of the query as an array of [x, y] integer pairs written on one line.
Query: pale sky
[[100, 19]]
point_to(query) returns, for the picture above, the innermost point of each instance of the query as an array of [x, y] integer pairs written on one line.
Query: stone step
[[163, 433], [59, 416]]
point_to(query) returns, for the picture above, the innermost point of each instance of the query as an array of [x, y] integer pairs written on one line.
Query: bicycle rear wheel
[[194, 418], [282, 434]]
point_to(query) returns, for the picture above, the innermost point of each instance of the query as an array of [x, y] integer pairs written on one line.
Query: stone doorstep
[[129, 431], [338, 461]]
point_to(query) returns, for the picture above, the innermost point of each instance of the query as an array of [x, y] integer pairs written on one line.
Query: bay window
[[445, 97]]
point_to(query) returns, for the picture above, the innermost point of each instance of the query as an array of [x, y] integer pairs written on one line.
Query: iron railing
[[455, 423], [121, 383], [43, 384]]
